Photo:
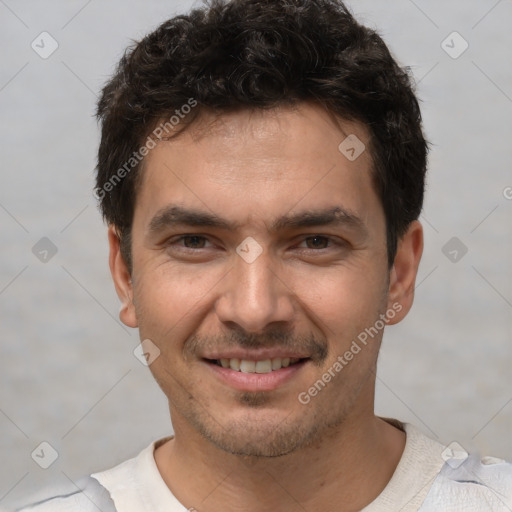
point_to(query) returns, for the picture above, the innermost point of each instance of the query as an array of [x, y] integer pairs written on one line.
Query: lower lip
[[256, 381]]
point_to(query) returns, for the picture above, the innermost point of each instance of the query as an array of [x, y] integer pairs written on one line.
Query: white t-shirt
[[428, 478]]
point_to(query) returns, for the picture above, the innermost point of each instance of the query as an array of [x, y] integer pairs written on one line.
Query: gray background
[[68, 373]]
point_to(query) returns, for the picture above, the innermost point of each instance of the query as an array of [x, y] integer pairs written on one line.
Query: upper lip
[[255, 355]]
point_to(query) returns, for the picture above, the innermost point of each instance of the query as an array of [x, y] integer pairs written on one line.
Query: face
[[259, 258]]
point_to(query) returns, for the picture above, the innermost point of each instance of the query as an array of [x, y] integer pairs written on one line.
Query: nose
[[255, 295]]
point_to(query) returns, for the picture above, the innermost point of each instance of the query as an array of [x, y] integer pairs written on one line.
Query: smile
[[261, 375], [264, 366]]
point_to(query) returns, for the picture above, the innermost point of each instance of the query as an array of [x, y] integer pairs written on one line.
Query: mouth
[[261, 375], [263, 366]]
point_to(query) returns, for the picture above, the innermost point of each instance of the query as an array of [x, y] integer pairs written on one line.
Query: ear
[[122, 279], [402, 277]]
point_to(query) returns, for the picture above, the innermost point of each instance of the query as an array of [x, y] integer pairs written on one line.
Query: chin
[[268, 437]]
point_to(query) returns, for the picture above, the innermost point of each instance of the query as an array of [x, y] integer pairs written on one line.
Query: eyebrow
[[180, 216]]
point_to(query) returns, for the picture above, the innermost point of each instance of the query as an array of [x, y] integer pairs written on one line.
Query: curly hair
[[238, 54]]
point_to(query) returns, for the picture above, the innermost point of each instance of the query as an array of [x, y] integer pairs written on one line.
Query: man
[[261, 169]]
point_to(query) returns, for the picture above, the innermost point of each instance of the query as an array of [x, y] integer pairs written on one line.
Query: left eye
[[192, 241], [317, 242]]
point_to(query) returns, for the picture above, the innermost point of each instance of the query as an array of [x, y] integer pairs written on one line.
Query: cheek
[[343, 299], [171, 303], [170, 299], [345, 304]]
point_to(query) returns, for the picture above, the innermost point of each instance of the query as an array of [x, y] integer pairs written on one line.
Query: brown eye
[[193, 241], [317, 242]]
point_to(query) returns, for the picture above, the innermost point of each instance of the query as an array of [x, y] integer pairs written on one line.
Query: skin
[[259, 450]]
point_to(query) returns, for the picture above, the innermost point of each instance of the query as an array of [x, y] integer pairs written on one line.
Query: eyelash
[[333, 242]]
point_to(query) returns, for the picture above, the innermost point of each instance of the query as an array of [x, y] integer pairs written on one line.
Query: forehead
[[283, 133], [255, 162]]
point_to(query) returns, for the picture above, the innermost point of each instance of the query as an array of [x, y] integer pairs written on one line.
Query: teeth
[[265, 366], [276, 363], [247, 366], [234, 364]]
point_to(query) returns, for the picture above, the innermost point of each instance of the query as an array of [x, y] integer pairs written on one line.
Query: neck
[[345, 470]]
